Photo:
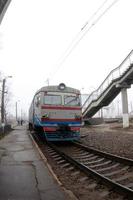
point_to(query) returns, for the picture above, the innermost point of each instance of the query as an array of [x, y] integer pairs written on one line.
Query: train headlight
[[46, 115], [61, 86]]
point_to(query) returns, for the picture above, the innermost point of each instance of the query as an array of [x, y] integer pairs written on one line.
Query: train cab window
[[71, 100], [52, 100]]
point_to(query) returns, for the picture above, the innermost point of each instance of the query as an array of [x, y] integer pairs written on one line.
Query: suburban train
[[56, 113]]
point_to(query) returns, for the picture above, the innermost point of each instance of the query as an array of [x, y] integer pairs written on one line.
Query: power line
[[84, 30], [95, 13], [61, 60]]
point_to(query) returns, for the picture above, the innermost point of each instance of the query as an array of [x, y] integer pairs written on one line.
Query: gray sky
[[35, 34]]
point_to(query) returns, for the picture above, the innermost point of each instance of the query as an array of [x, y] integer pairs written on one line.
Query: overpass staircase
[[3, 7], [118, 78]]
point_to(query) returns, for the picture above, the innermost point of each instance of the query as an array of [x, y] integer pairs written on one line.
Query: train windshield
[[71, 100], [52, 100]]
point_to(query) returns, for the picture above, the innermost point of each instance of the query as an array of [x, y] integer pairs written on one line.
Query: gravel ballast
[[111, 138]]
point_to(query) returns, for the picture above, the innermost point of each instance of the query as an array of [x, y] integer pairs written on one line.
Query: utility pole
[[47, 81], [3, 103], [16, 111]]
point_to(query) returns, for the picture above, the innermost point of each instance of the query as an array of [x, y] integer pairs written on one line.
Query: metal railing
[[113, 75]]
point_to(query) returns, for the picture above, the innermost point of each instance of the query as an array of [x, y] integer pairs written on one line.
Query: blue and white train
[[55, 111]]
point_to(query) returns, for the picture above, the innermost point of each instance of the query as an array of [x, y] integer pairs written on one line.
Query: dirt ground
[[112, 138]]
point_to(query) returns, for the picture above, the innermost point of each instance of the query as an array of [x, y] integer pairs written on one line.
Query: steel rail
[[116, 186], [119, 159]]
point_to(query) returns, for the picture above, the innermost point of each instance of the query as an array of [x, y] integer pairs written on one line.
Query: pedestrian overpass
[[118, 80], [3, 7]]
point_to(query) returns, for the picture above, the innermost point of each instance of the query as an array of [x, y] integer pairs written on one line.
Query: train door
[[37, 110]]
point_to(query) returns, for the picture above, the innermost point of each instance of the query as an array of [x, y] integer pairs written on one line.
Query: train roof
[[59, 88]]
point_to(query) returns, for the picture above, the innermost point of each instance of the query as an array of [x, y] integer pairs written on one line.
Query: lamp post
[[3, 102], [16, 107]]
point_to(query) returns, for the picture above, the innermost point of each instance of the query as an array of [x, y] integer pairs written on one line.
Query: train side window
[[37, 100]]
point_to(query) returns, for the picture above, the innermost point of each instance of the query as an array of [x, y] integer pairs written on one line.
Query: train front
[[61, 114]]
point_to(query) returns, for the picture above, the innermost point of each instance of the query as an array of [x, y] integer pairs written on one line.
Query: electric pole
[[2, 103], [16, 111]]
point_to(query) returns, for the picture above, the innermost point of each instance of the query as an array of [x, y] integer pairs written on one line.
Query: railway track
[[113, 171]]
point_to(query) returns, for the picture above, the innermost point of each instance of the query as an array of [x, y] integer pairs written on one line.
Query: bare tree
[[7, 103], [5, 97]]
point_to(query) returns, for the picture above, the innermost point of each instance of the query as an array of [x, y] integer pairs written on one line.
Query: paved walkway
[[23, 174]]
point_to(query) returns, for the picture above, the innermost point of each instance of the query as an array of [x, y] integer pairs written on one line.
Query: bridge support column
[[125, 107]]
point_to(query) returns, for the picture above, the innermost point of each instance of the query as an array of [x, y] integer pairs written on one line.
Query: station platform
[[23, 173]]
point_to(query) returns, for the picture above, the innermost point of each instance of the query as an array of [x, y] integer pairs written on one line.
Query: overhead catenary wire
[[84, 30], [93, 15], [61, 60]]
